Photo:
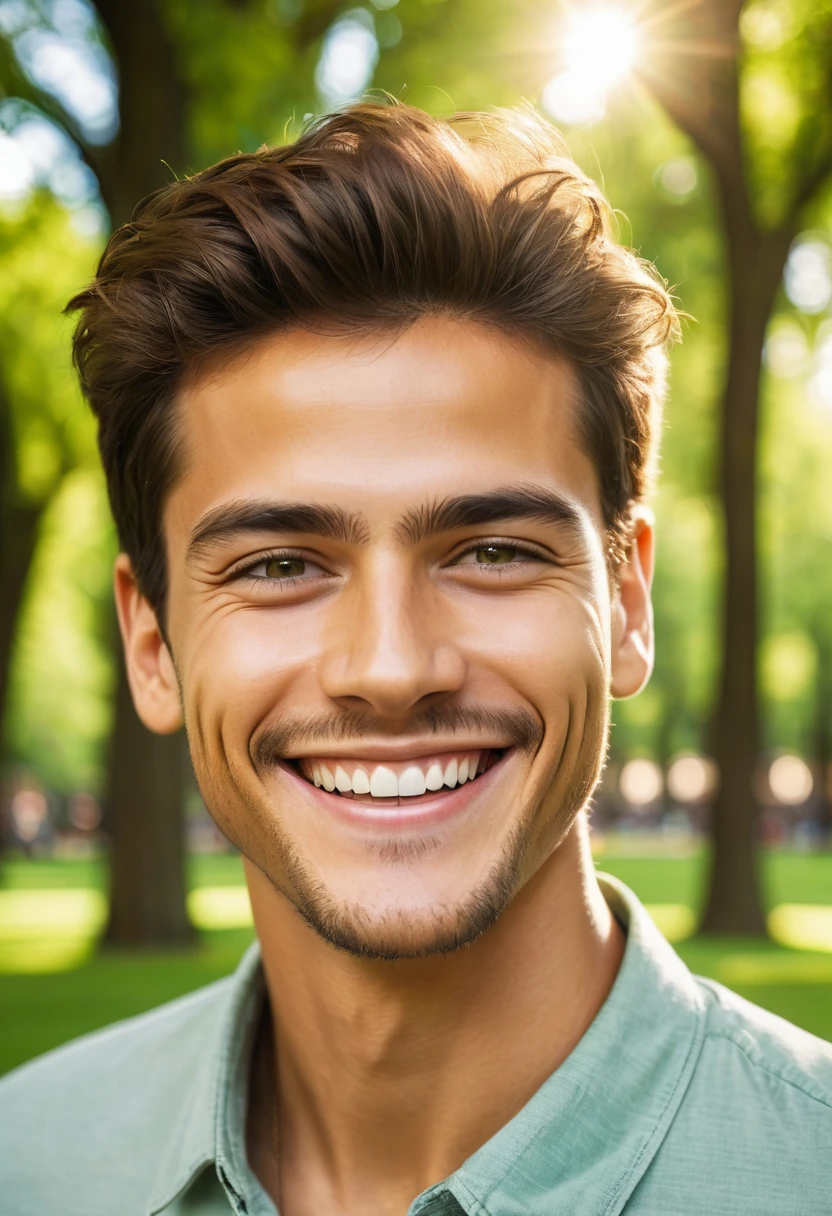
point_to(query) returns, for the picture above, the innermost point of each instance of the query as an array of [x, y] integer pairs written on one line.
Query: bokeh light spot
[[679, 177], [348, 58], [220, 908], [786, 352], [691, 777], [641, 782], [807, 277], [790, 780]]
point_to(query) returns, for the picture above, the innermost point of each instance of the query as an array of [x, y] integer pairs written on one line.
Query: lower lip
[[425, 810]]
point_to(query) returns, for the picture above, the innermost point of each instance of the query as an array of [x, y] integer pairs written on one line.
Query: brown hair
[[375, 216]]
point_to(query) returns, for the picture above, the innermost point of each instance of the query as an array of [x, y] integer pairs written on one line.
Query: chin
[[430, 922], [401, 934]]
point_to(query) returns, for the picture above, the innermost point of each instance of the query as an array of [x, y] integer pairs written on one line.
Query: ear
[[632, 613], [150, 668]]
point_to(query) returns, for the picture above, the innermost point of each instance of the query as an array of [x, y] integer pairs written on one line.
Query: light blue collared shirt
[[681, 1098]]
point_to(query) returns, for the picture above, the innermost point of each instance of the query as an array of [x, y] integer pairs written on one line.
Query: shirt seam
[[727, 1037], [660, 1131], [224, 994], [473, 1201]]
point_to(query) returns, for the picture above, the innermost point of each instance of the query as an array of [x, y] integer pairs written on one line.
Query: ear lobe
[[632, 617], [150, 669]]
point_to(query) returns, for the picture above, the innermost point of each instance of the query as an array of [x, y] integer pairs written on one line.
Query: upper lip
[[381, 751]]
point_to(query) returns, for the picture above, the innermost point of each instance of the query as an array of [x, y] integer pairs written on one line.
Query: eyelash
[[244, 572], [523, 551]]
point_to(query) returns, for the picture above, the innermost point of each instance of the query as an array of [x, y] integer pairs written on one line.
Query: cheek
[[238, 665], [550, 645]]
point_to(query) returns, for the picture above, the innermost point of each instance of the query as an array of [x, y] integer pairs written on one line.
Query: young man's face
[[386, 566]]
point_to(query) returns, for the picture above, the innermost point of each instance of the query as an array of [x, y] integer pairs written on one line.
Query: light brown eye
[[285, 567], [496, 555]]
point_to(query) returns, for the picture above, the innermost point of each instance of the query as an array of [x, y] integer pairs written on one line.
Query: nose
[[388, 645]]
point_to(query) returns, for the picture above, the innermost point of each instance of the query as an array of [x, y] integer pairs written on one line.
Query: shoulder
[[753, 1131], [92, 1118], [133, 1050], [771, 1052]]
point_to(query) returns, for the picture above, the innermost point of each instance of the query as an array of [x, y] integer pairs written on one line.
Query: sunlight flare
[[599, 49]]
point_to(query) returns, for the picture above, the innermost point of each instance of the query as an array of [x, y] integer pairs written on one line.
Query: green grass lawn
[[40, 1011], [796, 984]]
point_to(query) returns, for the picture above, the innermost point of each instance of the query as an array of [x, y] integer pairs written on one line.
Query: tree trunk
[[18, 538], [734, 903], [145, 781], [19, 521], [700, 92], [151, 145], [695, 76], [18, 533], [146, 823]]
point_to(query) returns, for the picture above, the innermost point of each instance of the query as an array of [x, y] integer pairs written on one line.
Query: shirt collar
[[202, 1133], [584, 1140], [581, 1143]]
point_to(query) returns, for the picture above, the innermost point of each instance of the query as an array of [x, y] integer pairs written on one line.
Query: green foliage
[[796, 541], [57, 713], [43, 259], [62, 678], [246, 73], [786, 96]]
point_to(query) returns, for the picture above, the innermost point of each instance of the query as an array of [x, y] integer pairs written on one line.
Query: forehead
[[381, 423]]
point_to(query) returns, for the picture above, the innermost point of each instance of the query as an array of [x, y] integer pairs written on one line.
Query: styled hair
[[377, 215]]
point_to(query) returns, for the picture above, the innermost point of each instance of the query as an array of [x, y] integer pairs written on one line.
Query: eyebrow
[[232, 518], [333, 522], [507, 502]]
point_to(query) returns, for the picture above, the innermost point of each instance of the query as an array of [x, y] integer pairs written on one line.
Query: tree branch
[[692, 71], [815, 137], [15, 83], [152, 105], [315, 20], [814, 181]]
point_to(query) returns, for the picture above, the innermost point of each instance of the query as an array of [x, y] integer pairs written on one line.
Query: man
[[378, 412]]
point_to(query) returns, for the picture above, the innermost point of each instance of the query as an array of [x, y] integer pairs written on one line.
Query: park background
[[709, 125]]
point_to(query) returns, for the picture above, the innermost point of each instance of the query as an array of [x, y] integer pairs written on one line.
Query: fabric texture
[[681, 1098]]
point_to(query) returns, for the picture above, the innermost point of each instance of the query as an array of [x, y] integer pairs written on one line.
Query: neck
[[391, 1074]]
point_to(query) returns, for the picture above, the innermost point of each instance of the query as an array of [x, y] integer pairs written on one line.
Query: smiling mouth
[[393, 783]]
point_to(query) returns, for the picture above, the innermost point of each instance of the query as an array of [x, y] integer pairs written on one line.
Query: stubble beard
[[403, 935]]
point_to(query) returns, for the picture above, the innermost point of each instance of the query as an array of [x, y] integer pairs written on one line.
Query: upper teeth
[[400, 780]]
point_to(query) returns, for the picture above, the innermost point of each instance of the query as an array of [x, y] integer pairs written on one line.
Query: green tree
[[144, 784], [43, 433], [767, 177]]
